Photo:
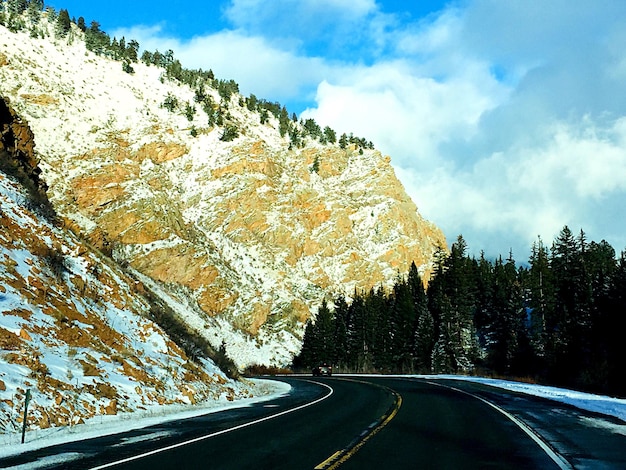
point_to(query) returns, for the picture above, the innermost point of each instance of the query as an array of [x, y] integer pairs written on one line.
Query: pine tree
[[51, 14], [330, 135], [403, 323], [424, 342], [541, 296], [343, 141], [229, 133], [283, 122], [96, 40], [445, 351], [379, 312], [326, 335], [252, 103], [593, 326], [424, 329], [571, 306], [341, 334], [81, 24], [132, 50], [34, 11], [36, 4], [63, 24], [16, 7], [310, 348], [312, 129], [459, 291], [614, 325], [508, 350], [317, 344]]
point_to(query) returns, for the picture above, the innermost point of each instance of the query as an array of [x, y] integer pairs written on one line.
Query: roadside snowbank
[[106, 425]]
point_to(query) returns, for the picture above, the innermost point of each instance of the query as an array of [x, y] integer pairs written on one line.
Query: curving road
[[363, 423]]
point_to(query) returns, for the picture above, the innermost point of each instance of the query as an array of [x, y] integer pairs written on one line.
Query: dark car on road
[[324, 369]]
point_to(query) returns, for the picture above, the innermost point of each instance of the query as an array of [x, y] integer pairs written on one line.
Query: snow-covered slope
[[247, 236], [74, 330]]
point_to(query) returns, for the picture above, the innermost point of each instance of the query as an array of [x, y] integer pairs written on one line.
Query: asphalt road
[[364, 423], [441, 428]]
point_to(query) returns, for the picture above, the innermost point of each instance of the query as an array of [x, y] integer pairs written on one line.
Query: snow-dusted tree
[[541, 295], [34, 11], [283, 122], [343, 141], [97, 40], [330, 135], [81, 24], [16, 7], [229, 133], [63, 24]]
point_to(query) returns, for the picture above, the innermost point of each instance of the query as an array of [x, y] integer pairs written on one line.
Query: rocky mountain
[[76, 331], [246, 231]]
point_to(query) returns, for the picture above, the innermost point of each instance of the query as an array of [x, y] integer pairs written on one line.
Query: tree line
[[21, 14], [558, 319]]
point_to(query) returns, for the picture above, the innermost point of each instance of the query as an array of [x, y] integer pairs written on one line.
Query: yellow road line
[[328, 461], [341, 456]]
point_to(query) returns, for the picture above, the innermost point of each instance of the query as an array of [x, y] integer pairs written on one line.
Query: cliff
[[249, 234], [75, 330]]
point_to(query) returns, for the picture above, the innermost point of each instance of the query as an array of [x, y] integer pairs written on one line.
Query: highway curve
[[267, 435], [362, 423], [458, 424], [440, 428]]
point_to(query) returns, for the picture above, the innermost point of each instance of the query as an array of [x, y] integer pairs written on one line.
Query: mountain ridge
[[248, 232]]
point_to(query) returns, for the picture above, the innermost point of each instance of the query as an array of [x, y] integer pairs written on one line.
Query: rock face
[[17, 150], [249, 235], [75, 331]]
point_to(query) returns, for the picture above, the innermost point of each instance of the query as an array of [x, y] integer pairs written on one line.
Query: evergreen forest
[[559, 319]]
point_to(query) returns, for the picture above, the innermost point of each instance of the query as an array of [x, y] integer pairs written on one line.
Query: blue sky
[[505, 120]]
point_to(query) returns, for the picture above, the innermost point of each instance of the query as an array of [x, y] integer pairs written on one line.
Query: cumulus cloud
[[354, 31], [507, 199], [504, 120], [260, 67], [407, 116], [291, 15], [302, 19]]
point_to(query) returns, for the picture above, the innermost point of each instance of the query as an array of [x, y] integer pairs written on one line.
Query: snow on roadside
[[107, 425], [86, 357], [609, 406]]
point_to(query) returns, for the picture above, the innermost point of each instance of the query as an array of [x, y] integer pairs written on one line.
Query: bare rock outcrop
[[17, 150]]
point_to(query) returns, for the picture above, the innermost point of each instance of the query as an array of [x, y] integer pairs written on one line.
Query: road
[[363, 423]]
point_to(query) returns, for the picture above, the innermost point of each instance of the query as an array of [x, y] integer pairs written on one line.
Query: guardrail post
[[25, 414]]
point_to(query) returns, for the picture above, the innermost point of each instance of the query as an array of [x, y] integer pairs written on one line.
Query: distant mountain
[[247, 219]]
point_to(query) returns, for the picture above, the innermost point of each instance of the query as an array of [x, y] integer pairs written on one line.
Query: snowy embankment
[[609, 406], [10, 444]]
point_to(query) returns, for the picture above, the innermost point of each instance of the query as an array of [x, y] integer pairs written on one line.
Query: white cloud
[[348, 30], [407, 116], [505, 120], [506, 200], [259, 68]]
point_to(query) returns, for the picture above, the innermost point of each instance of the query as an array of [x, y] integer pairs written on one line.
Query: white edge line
[[223, 431], [558, 459]]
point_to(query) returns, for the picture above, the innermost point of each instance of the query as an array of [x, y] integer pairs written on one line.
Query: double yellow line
[[342, 455]]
